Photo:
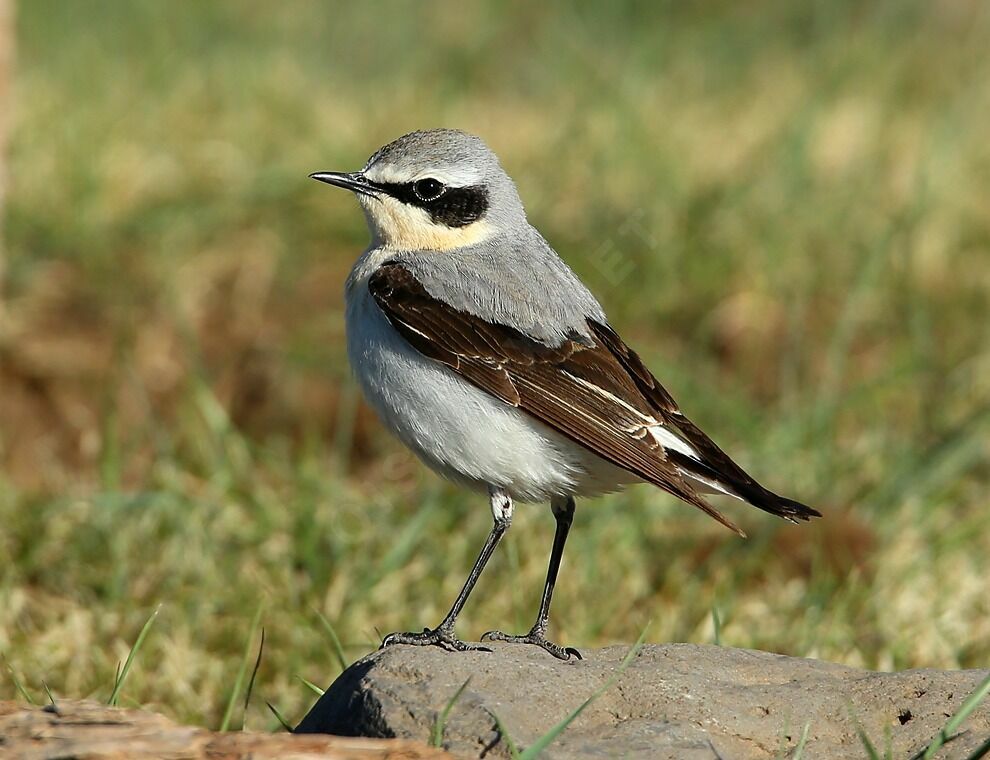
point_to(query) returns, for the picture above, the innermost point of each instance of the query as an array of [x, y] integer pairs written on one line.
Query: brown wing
[[582, 388]]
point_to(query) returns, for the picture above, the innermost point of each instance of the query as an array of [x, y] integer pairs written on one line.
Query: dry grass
[[783, 206]]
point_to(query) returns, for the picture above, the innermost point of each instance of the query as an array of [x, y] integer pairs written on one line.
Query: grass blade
[[122, 673], [504, 736], [440, 724], [312, 687], [278, 716], [717, 623], [532, 752], [18, 686], [51, 698], [982, 751], [953, 724], [871, 751], [241, 672], [799, 749], [338, 648], [254, 673]]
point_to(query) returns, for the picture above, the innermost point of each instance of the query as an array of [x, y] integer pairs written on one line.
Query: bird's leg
[[443, 634], [563, 512]]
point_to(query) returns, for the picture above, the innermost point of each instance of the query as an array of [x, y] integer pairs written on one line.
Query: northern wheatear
[[486, 355]]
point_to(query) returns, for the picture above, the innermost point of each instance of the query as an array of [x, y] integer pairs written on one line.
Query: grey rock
[[680, 701]]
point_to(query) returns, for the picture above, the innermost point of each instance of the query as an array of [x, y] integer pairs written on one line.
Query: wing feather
[[596, 392]]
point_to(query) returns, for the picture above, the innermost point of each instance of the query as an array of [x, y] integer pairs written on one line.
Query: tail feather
[[789, 509], [729, 478]]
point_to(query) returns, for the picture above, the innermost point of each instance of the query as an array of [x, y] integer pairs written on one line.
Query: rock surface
[[87, 729], [679, 701]]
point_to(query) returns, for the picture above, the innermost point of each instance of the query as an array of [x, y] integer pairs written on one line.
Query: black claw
[[536, 639], [438, 637]]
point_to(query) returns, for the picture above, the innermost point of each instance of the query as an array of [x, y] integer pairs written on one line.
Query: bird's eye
[[428, 189]]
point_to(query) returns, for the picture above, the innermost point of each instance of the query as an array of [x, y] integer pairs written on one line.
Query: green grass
[[121, 677], [954, 723], [948, 733], [235, 691], [782, 206], [440, 724], [537, 748], [799, 749]]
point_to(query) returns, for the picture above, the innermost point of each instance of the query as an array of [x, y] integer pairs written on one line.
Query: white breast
[[457, 429]]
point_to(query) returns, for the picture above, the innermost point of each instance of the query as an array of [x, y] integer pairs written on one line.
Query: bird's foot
[[534, 637], [437, 637]]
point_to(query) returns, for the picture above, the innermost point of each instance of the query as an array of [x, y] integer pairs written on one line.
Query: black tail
[[731, 479], [716, 467], [784, 507]]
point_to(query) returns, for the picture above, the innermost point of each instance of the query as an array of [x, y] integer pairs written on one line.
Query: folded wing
[[594, 390]]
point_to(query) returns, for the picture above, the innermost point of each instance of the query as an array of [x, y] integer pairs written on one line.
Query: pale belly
[[459, 430]]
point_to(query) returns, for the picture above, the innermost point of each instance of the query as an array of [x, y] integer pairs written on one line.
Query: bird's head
[[434, 190]]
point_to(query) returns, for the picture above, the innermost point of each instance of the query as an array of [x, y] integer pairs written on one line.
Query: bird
[[482, 351]]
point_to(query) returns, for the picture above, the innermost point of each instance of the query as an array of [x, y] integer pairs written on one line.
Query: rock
[[81, 728], [679, 701]]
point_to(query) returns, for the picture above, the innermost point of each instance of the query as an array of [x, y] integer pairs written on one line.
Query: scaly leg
[[563, 512], [443, 634]]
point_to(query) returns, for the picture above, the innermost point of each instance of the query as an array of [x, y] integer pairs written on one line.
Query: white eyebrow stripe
[[453, 176]]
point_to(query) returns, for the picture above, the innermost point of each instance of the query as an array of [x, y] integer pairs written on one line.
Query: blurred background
[[784, 206]]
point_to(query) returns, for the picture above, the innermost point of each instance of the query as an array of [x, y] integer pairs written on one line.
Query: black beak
[[353, 181]]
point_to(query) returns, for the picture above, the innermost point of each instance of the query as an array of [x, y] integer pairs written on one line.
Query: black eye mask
[[449, 206]]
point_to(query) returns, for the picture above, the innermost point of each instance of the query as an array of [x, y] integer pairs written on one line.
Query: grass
[[440, 724], [235, 692], [541, 743], [122, 672], [18, 686], [954, 723], [946, 734], [537, 748], [798, 753], [781, 205]]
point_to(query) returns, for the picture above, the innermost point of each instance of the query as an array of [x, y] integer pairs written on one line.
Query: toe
[[463, 646], [495, 636]]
